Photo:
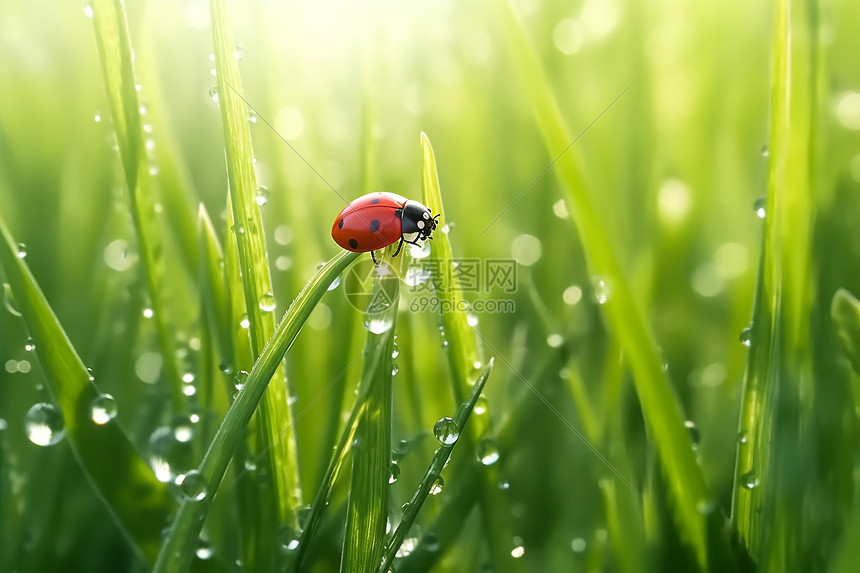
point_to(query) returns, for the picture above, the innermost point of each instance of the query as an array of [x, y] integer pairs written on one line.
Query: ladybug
[[377, 220]]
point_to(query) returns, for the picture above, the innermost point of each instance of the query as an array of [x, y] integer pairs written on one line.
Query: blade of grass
[[140, 503], [178, 548], [275, 416], [367, 510], [845, 311], [115, 53], [372, 355], [464, 360], [434, 471], [659, 403], [779, 368]]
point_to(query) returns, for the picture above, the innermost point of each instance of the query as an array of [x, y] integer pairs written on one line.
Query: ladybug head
[[418, 220]]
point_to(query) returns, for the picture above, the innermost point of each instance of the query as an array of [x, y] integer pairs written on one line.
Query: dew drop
[[88, 11], [446, 430], [245, 322], [430, 542], [395, 352], [213, 94], [148, 313], [44, 424], [188, 377], [29, 344], [252, 117], [394, 369], [471, 319], [765, 152], [393, 472], [488, 452], [518, 550], [193, 485], [578, 544], [378, 324], [759, 207], [169, 451], [239, 379], [554, 340], [9, 300], [480, 406], [572, 295], [748, 480], [437, 486], [504, 485], [204, 550], [422, 251], [695, 435], [262, 195], [288, 539], [97, 118], [239, 52], [746, 336], [743, 438], [103, 409], [267, 302], [601, 290], [334, 284], [22, 251]]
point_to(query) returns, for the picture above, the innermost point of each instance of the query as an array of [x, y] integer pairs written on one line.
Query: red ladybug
[[377, 220]]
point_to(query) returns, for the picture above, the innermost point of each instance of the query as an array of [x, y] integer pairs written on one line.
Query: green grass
[[175, 256]]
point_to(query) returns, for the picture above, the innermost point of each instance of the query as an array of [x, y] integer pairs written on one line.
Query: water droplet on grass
[[746, 336], [471, 319], [446, 430], [555, 340], [437, 486], [488, 452], [420, 252], [103, 409], [518, 550], [334, 284], [394, 369], [695, 435], [760, 207], [749, 480], [204, 550], [378, 324], [213, 94], [44, 424], [193, 485], [29, 344], [267, 302], [393, 472], [88, 11], [148, 313], [245, 322], [601, 290], [743, 438], [262, 195], [22, 251], [288, 539]]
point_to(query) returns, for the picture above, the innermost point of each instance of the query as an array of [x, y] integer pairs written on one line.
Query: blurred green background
[[675, 167]]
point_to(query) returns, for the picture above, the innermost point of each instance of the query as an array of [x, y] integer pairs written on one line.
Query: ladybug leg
[[373, 256], [399, 246]]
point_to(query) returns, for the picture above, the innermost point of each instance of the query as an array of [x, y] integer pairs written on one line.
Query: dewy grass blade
[[115, 52], [179, 546], [139, 502], [464, 358], [275, 416], [367, 510], [779, 377], [660, 406], [434, 471]]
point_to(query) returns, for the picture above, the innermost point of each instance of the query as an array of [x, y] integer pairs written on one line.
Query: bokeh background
[[676, 165]]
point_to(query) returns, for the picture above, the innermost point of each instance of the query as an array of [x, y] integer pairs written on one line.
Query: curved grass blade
[[179, 546], [274, 413], [660, 406], [115, 52], [434, 472], [140, 503], [367, 510]]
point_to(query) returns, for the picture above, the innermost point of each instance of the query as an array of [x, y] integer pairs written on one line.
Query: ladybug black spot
[[374, 225], [353, 243], [340, 224], [374, 202]]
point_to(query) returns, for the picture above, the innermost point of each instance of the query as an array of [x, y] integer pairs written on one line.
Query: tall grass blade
[[660, 406], [178, 548], [140, 503], [367, 510], [434, 471], [464, 358], [115, 52], [845, 311], [779, 369]]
